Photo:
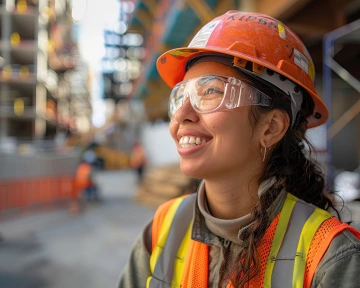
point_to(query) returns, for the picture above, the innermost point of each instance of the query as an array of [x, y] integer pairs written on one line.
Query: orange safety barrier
[[26, 193]]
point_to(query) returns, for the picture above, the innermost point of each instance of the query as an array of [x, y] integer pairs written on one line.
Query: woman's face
[[228, 144]]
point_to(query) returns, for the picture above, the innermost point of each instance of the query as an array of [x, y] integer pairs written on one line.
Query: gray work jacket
[[340, 266]]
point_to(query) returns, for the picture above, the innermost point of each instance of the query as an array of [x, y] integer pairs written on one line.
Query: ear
[[276, 123]]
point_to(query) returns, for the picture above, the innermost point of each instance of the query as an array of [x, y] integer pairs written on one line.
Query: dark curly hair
[[296, 172]]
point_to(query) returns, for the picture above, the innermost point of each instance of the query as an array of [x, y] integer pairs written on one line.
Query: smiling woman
[[243, 97], [231, 146]]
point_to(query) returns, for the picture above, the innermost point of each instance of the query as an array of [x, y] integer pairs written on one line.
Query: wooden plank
[[280, 9]]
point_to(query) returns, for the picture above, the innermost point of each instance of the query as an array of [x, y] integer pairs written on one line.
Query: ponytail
[[296, 172]]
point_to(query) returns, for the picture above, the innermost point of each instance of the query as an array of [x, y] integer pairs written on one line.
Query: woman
[[243, 96]]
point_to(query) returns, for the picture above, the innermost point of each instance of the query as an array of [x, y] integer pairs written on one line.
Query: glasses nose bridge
[[187, 96], [187, 93], [186, 109]]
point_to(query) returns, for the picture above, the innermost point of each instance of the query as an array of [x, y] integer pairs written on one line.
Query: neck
[[231, 199]]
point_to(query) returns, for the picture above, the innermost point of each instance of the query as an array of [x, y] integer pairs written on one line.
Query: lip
[[192, 132], [183, 152]]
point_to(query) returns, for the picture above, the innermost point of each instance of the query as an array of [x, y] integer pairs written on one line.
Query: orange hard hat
[[257, 42]]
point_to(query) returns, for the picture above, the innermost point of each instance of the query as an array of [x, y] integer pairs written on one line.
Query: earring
[[265, 149], [263, 160]]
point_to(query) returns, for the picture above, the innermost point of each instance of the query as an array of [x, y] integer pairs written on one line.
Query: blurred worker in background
[[243, 96], [84, 179], [138, 160]]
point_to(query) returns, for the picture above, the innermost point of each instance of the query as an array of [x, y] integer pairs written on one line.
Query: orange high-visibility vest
[[83, 179], [178, 261]]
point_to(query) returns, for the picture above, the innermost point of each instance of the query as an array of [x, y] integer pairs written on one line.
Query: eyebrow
[[205, 79]]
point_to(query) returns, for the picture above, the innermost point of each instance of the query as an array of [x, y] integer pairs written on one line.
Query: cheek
[[173, 130], [233, 123], [217, 121], [237, 132]]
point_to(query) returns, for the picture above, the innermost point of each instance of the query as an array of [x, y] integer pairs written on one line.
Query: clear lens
[[208, 93], [176, 98], [212, 93]]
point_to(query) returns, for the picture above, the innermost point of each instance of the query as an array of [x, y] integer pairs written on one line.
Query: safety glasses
[[212, 93]]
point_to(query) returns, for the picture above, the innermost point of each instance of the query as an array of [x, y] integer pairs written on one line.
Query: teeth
[[189, 141]]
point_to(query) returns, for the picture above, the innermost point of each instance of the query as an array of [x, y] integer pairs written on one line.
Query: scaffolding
[[349, 33]]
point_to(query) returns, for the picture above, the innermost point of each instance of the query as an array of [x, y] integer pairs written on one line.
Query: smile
[[189, 141]]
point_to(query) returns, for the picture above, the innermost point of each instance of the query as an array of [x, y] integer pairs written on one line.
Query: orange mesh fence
[[25, 193]]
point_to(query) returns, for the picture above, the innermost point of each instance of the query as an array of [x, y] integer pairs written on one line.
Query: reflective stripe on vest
[[296, 228], [170, 250], [285, 267]]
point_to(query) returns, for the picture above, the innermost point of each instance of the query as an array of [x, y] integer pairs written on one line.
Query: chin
[[190, 170]]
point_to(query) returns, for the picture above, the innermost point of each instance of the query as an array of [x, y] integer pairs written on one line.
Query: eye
[[212, 91], [213, 87], [210, 98]]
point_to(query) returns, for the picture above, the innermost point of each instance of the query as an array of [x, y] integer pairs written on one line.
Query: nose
[[186, 112]]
